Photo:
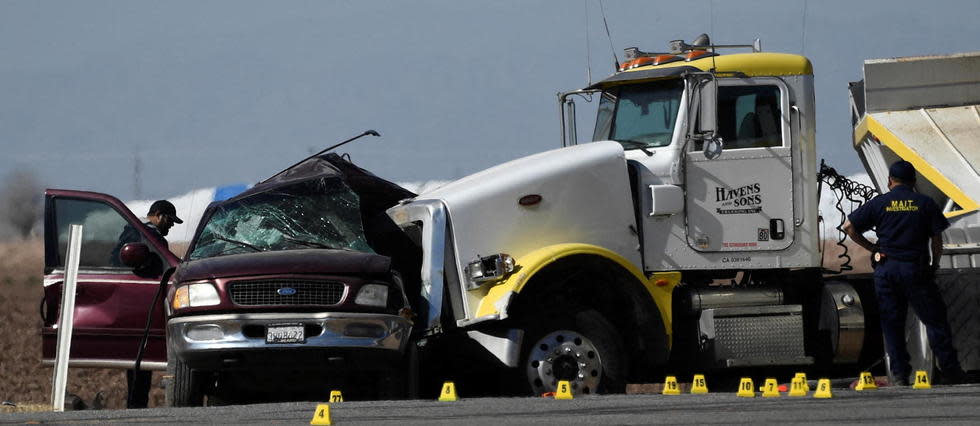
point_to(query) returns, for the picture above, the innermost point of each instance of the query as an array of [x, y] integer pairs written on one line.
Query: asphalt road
[[947, 404]]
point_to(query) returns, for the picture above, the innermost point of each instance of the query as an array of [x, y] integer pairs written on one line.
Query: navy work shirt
[[904, 221], [131, 235]]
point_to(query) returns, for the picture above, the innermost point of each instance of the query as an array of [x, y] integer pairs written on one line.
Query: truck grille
[[267, 292]]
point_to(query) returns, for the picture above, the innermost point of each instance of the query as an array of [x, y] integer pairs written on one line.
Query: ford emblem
[[286, 291]]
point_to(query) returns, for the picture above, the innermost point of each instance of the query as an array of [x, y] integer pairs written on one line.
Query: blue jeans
[[899, 284]]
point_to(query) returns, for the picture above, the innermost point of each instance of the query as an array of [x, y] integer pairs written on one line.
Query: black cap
[[165, 208], [903, 171]]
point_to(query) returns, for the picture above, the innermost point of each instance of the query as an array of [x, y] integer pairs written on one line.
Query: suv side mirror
[[134, 255]]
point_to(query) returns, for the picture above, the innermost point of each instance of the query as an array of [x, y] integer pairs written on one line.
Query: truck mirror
[[134, 255], [708, 103], [713, 147]]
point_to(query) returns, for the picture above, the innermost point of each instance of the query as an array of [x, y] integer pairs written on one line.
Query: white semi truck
[[686, 236]]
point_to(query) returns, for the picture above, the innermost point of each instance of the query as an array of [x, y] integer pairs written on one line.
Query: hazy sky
[[207, 93]]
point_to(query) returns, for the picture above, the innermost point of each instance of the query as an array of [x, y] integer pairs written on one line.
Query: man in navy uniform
[[906, 223]]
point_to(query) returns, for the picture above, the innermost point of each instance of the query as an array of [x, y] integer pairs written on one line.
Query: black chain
[[853, 191]]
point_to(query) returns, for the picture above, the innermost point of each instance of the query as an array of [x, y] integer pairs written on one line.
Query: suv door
[[112, 300]]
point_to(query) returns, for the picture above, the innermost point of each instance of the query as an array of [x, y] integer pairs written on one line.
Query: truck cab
[[683, 235], [721, 154]]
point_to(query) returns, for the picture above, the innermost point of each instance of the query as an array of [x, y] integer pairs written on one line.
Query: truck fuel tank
[[700, 299]]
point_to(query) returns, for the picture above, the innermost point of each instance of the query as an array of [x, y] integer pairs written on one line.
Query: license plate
[[285, 333]]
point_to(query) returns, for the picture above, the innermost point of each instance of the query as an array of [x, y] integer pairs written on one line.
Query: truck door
[[111, 302], [743, 199]]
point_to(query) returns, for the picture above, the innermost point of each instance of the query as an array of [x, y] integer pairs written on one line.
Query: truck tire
[[582, 348], [186, 385]]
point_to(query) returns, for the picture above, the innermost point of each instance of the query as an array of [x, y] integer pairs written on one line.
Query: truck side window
[[603, 121], [102, 227], [749, 116]]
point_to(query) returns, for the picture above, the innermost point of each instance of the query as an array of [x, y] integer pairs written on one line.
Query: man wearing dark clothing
[[905, 221], [161, 217]]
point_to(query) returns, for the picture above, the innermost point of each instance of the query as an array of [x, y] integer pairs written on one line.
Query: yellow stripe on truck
[[874, 127], [660, 285]]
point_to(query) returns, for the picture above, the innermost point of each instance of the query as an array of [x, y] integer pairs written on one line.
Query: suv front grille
[[267, 292]]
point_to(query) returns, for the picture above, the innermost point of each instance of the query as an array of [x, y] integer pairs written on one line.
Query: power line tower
[[137, 176]]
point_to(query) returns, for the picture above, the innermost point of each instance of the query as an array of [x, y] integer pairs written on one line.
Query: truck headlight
[[192, 295], [372, 295], [488, 268]]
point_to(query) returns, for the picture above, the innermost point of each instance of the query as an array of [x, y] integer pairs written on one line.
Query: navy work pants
[[899, 284]]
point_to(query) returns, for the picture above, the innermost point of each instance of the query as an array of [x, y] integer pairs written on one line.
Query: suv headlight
[[372, 295], [192, 295]]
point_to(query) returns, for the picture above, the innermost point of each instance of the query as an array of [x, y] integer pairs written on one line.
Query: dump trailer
[[926, 110], [685, 237]]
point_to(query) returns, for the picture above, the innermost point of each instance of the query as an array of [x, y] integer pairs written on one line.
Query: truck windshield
[[640, 116], [318, 213]]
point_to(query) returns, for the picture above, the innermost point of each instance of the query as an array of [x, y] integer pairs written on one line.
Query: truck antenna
[[365, 133], [588, 50], [602, 8]]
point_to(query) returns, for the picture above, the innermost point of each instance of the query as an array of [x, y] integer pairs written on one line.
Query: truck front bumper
[[217, 341]]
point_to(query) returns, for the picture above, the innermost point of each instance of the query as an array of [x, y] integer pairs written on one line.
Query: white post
[[60, 380]]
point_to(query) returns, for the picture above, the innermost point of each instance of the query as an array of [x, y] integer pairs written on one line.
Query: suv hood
[[303, 261]]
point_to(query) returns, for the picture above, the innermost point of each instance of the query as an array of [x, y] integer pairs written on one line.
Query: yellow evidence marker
[[746, 388], [823, 389], [806, 384], [322, 415], [336, 396], [921, 380], [770, 389], [564, 390], [866, 382], [797, 387], [671, 387], [448, 393], [698, 385]]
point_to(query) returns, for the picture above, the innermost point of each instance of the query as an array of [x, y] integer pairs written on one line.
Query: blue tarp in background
[[222, 193]]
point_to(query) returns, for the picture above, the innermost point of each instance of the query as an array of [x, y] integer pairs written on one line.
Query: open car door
[[112, 300]]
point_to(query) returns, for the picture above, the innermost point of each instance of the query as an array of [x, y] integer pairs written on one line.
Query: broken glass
[[317, 213]]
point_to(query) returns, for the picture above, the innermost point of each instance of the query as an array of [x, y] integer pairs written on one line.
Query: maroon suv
[[287, 290]]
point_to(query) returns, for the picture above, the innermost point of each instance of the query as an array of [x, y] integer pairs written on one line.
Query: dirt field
[[23, 380]]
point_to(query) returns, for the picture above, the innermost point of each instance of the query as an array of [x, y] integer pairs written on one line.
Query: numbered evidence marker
[[564, 390], [806, 384], [322, 415], [866, 382], [448, 392], [698, 385], [921, 380], [336, 396], [671, 387], [797, 387], [770, 389], [746, 388], [823, 389]]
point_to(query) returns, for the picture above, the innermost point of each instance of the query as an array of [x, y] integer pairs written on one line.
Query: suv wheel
[[186, 385]]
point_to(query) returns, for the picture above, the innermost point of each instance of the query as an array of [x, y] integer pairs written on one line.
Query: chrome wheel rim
[[564, 355]]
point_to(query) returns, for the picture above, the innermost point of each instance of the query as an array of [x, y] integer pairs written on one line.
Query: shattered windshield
[[319, 213]]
